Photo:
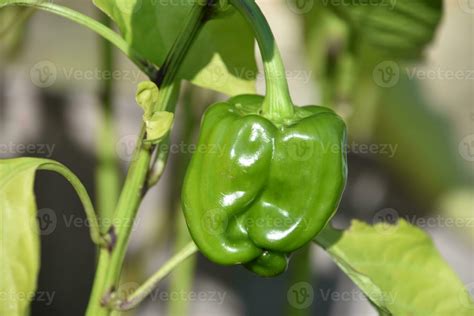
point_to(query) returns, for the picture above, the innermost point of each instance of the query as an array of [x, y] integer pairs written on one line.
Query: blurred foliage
[[396, 28], [13, 22], [361, 55]]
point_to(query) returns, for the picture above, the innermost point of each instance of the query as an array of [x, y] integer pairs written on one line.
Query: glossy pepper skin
[[256, 190]]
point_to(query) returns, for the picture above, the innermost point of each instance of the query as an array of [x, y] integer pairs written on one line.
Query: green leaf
[[400, 28], [216, 60], [19, 238], [19, 232], [398, 268]]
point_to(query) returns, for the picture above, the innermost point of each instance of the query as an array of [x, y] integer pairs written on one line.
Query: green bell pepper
[[255, 190], [267, 176]]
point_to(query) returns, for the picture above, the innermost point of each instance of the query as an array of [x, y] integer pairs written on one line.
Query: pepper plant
[[271, 188]]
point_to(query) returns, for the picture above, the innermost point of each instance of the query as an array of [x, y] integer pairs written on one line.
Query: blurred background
[[411, 152]]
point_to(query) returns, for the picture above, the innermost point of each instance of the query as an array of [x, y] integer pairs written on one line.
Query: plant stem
[[300, 271], [181, 280], [277, 104], [144, 290], [111, 263], [107, 172], [83, 196], [144, 65], [167, 74]]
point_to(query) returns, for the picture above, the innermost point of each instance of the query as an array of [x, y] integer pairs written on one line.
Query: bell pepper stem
[[277, 104]]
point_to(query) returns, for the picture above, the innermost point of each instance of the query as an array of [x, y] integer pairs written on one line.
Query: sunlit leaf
[[398, 268], [221, 58]]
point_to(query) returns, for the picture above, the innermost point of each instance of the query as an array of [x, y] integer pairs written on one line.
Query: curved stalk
[[81, 191], [93, 25], [143, 291], [277, 104]]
